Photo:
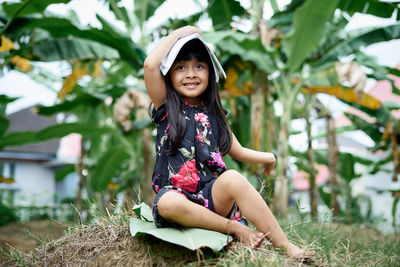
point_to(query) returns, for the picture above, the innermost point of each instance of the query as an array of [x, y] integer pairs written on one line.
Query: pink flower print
[[236, 216], [200, 136], [206, 203], [187, 177], [217, 158], [203, 118], [163, 118]]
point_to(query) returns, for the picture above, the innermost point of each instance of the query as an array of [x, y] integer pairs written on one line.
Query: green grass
[[107, 242]]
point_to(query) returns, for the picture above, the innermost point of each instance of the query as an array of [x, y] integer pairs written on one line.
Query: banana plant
[[39, 38], [48, 38], [296, 58]]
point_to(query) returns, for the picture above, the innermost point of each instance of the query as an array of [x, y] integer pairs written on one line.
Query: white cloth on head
[[167, 62]]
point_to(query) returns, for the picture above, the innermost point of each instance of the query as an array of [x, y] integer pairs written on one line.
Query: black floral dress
[[198, 162]]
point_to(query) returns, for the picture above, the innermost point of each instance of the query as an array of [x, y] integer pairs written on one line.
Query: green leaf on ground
[[143, 211], [191, 238]]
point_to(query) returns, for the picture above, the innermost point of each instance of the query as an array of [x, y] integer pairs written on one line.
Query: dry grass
[[107, 242]]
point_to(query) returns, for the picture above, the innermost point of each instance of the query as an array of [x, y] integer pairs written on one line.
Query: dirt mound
[[26, 236], [106, 243]]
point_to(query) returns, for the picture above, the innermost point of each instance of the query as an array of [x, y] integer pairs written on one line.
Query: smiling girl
[[194, 188]]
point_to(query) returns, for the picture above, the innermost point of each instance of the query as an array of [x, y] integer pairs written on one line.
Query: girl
[[193, 186]]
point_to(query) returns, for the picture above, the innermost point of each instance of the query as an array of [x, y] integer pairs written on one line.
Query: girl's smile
[[190, 79]]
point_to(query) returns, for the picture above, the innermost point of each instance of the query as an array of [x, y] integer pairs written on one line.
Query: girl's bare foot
[[297, 253], [246, 235]]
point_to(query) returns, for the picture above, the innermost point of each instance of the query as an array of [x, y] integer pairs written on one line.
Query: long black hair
[[210, 97]]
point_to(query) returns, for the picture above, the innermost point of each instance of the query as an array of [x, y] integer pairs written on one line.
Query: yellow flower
[[78, 71], [6, 44], [21, 63]]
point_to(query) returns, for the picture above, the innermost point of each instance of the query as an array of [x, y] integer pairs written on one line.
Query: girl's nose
[[191, 72]]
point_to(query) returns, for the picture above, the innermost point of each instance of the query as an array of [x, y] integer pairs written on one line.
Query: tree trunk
[[257, 109], [148, 166], [310, 157], [79, 169], [281, 187], [333, 157], [269, 134], [395, 151]]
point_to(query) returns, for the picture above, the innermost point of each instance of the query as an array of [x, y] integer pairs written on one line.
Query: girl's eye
[[200, 66], [180, 67]]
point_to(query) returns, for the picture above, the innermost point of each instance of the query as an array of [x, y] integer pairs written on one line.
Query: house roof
[[27, 120]]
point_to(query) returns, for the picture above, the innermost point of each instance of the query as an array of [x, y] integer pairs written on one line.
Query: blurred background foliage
[[288, 59]]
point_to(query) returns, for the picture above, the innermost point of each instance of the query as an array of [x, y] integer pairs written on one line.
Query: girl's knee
[[232, 178], [169, 203]]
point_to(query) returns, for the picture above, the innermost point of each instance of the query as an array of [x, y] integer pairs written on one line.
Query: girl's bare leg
[[232, 186], [176, 208]]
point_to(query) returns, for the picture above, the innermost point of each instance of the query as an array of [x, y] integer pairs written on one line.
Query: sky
[[16, 84]]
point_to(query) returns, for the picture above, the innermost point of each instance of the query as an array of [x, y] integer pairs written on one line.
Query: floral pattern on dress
[[202, 133], [217, 159], [197, 161], [187, 178]]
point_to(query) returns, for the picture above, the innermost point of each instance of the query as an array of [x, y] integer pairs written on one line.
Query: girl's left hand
[[270, 164]]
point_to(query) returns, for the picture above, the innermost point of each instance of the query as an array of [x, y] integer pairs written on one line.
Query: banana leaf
[[373, 7], [56, 49], [246, 46], [379, 165], [396, 202], [18, 138], [108, 35], [61, 130], [28, 7], [371, 129], [145, 9], [82, 99], [221, 12], [4, 123], [4, 99], [120, 12], [107, 167], [346, 167], [309, 22], [55, 131], [62, 172], [191, 238], [356, 39]]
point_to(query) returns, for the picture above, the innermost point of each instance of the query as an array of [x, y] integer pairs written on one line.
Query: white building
[[33, 166]]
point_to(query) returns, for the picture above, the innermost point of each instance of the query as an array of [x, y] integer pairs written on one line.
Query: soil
[[26, 236]]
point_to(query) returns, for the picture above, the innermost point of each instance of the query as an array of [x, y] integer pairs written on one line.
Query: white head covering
[[170, 58]]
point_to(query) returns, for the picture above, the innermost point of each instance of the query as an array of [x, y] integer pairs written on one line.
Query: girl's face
[[190, 79]]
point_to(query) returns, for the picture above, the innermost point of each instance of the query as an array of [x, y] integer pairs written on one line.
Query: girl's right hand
[[186, 30]]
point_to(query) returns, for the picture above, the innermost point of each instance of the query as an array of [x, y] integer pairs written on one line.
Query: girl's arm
[[251, 156], [153, 78]]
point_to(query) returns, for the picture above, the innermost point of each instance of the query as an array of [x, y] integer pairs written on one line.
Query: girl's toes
[[307, 255]]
